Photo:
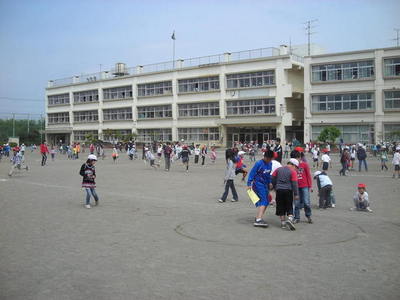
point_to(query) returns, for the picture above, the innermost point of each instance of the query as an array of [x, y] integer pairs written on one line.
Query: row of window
[[193, 85], [354, 70], [353, 102]]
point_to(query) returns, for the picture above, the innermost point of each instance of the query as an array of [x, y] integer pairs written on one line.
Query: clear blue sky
[[42, 40]]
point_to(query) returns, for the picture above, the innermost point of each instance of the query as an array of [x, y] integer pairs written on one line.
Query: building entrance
[[249, 134]]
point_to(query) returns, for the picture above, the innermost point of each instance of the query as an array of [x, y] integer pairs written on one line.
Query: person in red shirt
[[305, 187], [44, 150]]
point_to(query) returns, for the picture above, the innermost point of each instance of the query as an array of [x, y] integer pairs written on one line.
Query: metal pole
[[309, 36], [173, 52], [28, 123], [41, 127], [13, 125]]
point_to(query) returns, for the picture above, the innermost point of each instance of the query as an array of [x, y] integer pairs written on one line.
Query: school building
[[358, 92], [251, 95]]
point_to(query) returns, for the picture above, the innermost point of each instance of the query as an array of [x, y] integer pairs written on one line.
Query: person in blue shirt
[[260, 180]]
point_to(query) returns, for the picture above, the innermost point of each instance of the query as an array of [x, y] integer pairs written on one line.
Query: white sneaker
[[368, 209], [87, 206], [333, 205]]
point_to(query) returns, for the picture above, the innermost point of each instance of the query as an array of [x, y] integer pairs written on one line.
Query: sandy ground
[[162, 235]]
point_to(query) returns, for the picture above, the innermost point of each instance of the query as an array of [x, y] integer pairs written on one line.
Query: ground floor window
[[157, 134], [198, 134], [350, 134], [117, 135], [84, 135], [392, 132], [250, 134]]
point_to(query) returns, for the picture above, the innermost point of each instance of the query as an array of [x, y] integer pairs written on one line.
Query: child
[[89, 175], [114, 154], [213, 155], [196, 154], [360, 199], [52, 153], [384, 158], [315, 156], [284, 180], [240, 167], [17, 161], [352, 156], [259, 180], [229, 178], [326, 160], [150, 157], [324, 184], [185, 157], [396, 162]]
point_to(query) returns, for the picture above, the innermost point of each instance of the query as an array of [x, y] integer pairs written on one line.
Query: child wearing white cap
[[88, 173], [396, 162]]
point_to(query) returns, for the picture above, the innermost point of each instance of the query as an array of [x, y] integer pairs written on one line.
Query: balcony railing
[[173, 65]]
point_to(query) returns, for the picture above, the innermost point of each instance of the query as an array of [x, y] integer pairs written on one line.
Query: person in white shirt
[[326, 160], [315, 156], [361, 201], [396, 162]]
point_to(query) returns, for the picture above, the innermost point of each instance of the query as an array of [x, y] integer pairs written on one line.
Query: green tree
[[329, 134]]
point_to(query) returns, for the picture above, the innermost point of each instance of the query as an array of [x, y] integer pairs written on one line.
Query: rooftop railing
[[202, 61]]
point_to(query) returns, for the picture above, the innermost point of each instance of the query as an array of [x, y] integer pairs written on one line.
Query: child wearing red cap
[[361, 202]]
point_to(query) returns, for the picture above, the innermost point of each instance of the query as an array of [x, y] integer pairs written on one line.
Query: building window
[[343, 71], [391, 67], [86, 116], [197, 85], [343, 102], [117, 114], [155, 89], [392, 99], [117, 135], [392, 132], [82, 135], [198, 134], [86, 96], [151, 135], [251, 107], [61, 99], [351, 134], [58, 118], [254, 79], [199, 109], [123, 92], [155, 112]]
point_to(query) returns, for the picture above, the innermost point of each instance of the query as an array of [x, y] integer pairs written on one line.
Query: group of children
[[292, 185]]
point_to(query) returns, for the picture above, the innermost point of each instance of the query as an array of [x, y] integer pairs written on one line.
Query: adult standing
[[43, 151], [362, 158], [278, 149]]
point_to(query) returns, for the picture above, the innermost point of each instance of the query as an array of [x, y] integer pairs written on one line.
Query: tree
[[329, 134]]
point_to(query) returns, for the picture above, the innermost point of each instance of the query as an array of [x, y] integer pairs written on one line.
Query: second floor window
[[58, 118], [391, 67], [197, 85], [343, 71], [251, 107], [155, 112], [86, 116], [155, 89], [86, 96], [199, 109], [123, 92], [392, 99], [254, 79], [117, 114], [342, 102]]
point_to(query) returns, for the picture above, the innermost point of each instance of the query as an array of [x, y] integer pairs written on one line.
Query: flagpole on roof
[[173, 49]]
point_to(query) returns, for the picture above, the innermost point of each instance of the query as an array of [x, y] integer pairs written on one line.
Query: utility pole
[[308, 28], [397, 39], [28, 122]]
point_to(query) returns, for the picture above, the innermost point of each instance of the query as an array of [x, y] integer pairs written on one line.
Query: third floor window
[[343, 71], [197, 85]]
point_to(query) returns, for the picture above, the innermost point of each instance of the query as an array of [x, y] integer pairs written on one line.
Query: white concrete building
[[241, 96], [358, 92]]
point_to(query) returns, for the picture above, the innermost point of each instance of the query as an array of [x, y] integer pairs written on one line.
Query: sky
[[44, 40]]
